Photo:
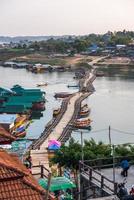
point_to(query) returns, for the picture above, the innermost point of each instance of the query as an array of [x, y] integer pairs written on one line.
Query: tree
[[68, 156]]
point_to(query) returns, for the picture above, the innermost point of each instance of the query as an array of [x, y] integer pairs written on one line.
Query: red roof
[[5, 136], [16, 182]]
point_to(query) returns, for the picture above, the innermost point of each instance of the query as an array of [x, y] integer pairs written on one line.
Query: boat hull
[[20, 135], [83, 127]]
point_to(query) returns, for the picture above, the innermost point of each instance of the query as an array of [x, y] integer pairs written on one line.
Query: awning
[[57, 183]]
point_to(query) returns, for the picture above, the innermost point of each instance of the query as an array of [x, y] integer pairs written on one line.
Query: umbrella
[[57, 183], [54, 145]]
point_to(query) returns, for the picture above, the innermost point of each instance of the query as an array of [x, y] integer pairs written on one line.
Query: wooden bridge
[[92, 180], [60, 127]]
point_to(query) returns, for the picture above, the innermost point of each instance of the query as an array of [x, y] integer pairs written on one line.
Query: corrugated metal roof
[[7, 119]]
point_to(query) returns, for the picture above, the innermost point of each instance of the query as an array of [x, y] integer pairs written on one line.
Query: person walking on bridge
[[125, 167]]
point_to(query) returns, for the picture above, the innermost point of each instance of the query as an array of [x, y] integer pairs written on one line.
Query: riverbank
[[110, 66]]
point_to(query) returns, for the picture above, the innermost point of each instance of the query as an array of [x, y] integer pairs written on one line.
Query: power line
[[99, 130], [123, 132]]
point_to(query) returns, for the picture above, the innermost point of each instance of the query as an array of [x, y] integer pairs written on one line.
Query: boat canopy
[[83, 119]]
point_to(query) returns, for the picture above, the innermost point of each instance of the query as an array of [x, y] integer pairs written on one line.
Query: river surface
[[111, 104]]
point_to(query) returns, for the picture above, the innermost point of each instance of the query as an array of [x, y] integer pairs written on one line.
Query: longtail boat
[[56, 112], [84, 111], [42, 84], [20, 135], [83, 123], [62, 95]]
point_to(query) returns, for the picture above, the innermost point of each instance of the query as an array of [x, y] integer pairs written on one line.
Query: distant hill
[[4, 39]]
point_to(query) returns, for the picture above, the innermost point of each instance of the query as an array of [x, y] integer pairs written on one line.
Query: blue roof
[[7, 118]]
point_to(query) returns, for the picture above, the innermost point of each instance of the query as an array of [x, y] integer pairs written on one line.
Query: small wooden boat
[[42, 84], [20, 135], [99, 73], [62, 95], [73, 86], [84, 106], [56, 112], [83, 127], [84, 111]]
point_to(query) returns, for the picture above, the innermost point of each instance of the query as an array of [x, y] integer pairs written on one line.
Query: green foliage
[[69, 156], [83, 64], [81, 43]]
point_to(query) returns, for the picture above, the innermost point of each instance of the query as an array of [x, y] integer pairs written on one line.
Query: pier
[[60, 128]]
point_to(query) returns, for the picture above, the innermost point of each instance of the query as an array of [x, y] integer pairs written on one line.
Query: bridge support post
[[90, 176], [102, 185], [115, 188], [42, 171]]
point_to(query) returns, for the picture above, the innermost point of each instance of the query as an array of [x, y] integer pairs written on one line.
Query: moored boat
[[100, 73], [73, 86], [20, 135], [84, 112], [56, 112], [83, 123], [42, 84], [62, 95]]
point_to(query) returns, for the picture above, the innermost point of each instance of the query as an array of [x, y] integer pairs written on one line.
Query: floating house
[[41, 67], [21, 101]]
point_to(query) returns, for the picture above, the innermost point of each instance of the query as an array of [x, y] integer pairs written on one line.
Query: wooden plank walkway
[[60, 127], [56, 133], [118, 178]]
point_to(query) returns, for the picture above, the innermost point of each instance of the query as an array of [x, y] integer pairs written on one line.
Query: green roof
[[20, 90], [26, 105], [57, 183], [14, 109], [25, 99], [4, 92]]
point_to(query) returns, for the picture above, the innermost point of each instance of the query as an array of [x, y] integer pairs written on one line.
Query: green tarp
[[57, 183], [19, 103]]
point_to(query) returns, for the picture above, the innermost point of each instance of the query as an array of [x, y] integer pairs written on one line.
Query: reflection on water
[[111, 104], [122, 71]]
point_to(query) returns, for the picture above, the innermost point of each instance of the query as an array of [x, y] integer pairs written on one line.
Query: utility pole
[[82, 154], [48, 185], [109, 129], [113, 152], [113, 146]]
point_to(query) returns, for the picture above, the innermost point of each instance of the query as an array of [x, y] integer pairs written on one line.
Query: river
[[111, 104]]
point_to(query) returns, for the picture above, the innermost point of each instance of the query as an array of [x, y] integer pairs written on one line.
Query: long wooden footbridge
[[60, 127]]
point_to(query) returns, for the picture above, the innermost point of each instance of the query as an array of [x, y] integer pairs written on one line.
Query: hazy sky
[[63, 17]]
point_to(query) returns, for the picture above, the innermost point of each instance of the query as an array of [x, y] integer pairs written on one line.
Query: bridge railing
[[39, 171], [98, 179]]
